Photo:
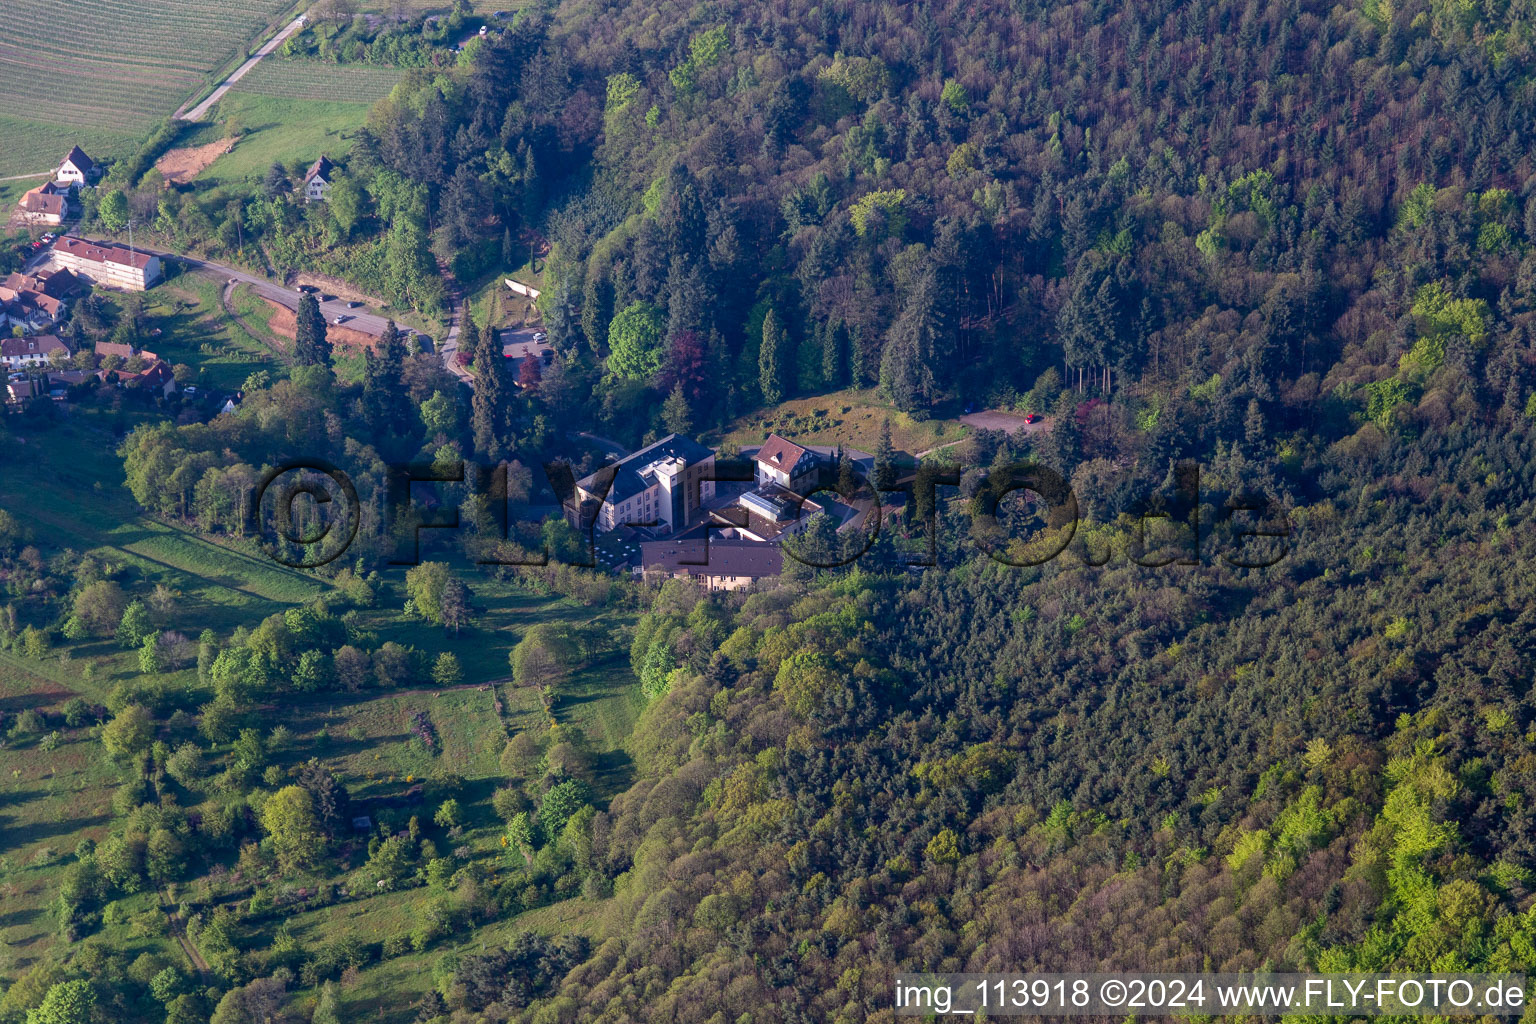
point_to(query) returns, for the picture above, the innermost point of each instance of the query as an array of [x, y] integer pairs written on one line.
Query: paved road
[[197, 112], [358, 319]]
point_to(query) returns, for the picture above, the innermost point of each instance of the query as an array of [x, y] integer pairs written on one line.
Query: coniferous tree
[[311, 347], [386, 406], [675, 415], [391, 348], [885, 467], [488, 409], [597, 310], [771, 360]]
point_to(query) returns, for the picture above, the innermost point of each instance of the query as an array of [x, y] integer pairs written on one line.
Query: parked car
[[540, 336], [353, 305], [1031, 417], [341, 318]]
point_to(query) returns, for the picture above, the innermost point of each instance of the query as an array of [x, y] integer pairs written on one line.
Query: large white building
[[661, 488], [107, 263]]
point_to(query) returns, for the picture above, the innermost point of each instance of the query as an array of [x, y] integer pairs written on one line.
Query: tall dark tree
[[773, 360], [489, 407], [386, 403], [311, 347], [597, 309], [885, 459]]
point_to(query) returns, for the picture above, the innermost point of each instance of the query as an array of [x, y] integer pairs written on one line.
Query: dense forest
[[1291, 244]]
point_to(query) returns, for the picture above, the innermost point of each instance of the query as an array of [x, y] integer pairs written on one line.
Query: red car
[[1031, 417]]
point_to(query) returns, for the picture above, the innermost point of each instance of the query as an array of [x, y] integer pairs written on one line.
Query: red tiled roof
[[780, 454], [102, 252]]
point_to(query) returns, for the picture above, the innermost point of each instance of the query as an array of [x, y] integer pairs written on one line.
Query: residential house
[[34, 302], [124, 352], [717, 565], [31, 353], [786, 464], [107, 263], [77, 169], [156, 376], [56, 283], [318, 179], [661, 488], [45, 205]]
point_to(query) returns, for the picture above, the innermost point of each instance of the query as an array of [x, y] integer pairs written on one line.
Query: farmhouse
[[77, 169], [30, 353], [661, 488], [317, 180], [107, 263], [717, 565], [46, 205]]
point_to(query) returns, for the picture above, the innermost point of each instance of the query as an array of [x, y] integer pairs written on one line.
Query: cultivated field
[[101, 72], [318, 80]]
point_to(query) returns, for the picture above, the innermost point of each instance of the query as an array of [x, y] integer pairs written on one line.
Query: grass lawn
[[276, 130], [851, 418], [197, 332]]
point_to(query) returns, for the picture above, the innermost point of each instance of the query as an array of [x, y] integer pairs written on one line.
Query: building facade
[[108, 263], [662, 488], [31, 353]]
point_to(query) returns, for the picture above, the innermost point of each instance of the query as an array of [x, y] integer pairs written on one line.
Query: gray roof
[[629, 482], [722, 557]]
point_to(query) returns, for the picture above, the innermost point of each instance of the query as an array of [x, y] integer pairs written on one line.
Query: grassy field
[[80, 503], [851, 418], [127, 65], [276, 129]]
